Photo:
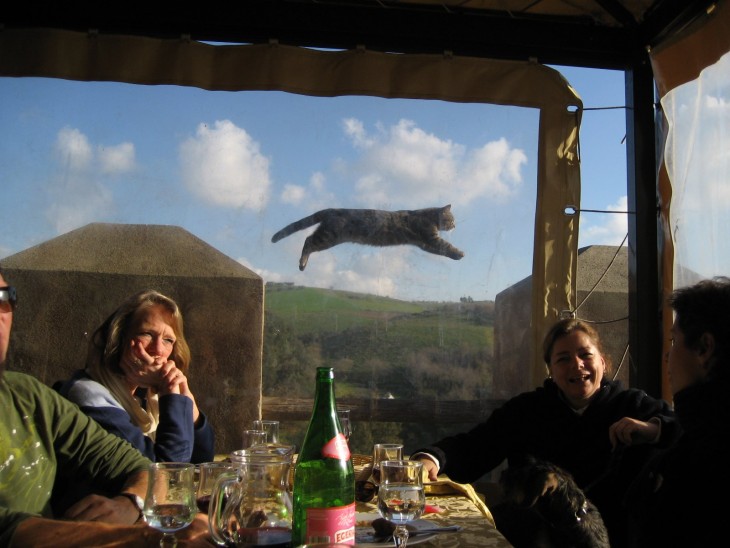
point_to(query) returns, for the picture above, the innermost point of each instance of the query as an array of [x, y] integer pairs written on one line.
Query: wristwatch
[[137, 501]]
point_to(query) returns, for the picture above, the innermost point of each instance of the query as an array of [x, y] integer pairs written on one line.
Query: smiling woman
[[578, 420]]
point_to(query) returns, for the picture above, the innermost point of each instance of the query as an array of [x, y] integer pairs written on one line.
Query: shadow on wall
[[68, 286]]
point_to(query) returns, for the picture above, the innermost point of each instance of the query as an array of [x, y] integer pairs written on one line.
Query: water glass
[[253, 437], [169, 505], [401, 497]]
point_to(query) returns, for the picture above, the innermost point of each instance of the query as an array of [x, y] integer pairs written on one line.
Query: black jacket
[[682, 498], [542, 424]]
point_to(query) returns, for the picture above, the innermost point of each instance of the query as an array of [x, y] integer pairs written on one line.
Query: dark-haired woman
[[579, 420]]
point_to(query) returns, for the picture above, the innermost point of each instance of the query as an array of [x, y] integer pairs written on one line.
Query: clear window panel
[[410, 334]]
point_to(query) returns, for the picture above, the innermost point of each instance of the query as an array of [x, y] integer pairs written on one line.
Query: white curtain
[[692, 72], [697, 155]]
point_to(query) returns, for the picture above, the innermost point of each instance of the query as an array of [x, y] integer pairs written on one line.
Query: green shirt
[[42, 433]]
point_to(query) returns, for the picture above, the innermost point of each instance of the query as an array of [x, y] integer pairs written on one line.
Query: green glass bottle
[[324, 478]]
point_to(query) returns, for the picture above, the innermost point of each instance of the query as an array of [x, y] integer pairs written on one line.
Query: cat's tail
[[296, 226]]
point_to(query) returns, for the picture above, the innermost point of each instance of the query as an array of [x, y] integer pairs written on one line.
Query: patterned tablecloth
[[459, 504]]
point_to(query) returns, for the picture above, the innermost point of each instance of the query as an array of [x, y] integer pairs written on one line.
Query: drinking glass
[[344, 416], [170, 502], [384, 451], [253, 437], [207, 476], [400, 495], [270, 427]]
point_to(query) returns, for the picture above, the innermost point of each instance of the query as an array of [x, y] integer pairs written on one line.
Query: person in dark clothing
[[675, 501], [578, 420]]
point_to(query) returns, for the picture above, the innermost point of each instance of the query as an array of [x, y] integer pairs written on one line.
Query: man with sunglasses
[[42, 433]]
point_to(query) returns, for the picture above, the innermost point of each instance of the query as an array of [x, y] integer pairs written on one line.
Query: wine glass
[[344, 416], [381, 452], [400, 495], [207, 476], [170, 502]]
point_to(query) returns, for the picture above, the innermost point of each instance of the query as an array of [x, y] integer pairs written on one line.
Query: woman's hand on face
[[630, 431], [140, 368], [174, 381]]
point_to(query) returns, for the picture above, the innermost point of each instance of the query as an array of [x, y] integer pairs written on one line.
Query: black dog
[[543, 507]]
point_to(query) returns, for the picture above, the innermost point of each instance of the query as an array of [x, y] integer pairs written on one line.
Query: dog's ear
[[525, 483]]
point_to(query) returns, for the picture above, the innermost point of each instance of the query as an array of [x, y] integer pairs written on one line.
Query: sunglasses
[[365, 491], [8, 298]]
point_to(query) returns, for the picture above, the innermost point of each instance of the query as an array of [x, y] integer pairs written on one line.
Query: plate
[[364, 534]]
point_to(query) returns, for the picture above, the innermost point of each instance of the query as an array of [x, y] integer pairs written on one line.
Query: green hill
[[359, 332], [379, 347]]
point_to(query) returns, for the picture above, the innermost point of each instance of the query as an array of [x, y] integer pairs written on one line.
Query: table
[[478, 531], [461, 505]]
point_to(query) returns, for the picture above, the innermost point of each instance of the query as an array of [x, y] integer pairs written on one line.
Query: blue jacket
[[177, 439]]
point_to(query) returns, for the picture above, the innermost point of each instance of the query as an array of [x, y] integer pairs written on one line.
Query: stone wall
[[69, 285], [602, 295]]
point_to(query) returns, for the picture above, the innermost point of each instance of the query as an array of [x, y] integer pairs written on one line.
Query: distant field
[[379, 348], [321, 311]]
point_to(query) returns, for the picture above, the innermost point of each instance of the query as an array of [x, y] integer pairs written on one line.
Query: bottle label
[[335, 525], [337, 448]]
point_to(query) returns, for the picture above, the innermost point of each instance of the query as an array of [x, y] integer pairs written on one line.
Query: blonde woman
[[135, 383]]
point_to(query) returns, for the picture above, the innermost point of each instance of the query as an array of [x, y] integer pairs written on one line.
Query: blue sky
[[233, 168]]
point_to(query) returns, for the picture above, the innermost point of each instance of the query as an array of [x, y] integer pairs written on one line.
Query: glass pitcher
[[252, 506]]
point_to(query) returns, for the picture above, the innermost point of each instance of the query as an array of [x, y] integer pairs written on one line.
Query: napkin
[[445, 486]]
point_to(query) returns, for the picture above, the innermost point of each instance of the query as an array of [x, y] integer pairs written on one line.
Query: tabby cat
[[419, 227]]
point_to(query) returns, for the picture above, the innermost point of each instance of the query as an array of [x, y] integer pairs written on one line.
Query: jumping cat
[[419, 227]]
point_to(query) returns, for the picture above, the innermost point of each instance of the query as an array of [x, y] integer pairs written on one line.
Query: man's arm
[[119, 510], [41, 532]]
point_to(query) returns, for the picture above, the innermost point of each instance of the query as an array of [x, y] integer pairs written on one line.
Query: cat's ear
[[446, 208]]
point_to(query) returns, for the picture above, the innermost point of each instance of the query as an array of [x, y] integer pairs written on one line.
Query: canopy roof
[[594, 33]]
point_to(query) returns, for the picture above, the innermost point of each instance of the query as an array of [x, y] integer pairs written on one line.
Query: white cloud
[[312, 197], [612, 228], [73, 150], [116, 159], [356, 131], [78, 192], [293, 194], [405, 164], [386, 272], [224, 166]]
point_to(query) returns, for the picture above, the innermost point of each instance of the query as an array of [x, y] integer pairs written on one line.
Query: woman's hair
[[565, 327], [112, 338], [704, 308]]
